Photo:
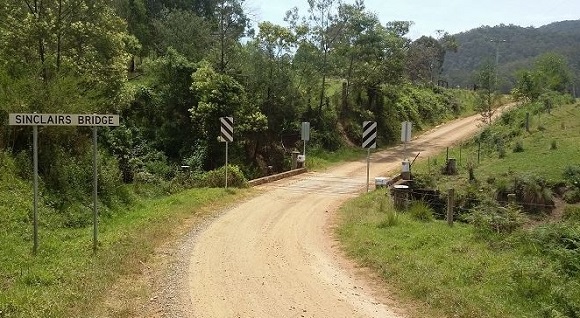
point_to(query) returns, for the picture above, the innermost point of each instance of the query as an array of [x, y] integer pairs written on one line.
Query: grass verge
[[455, 270], [468, 270], [65, 279]]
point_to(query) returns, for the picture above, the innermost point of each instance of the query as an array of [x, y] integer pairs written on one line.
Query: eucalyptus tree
[[550, 72], [426, 56], [487, 94], [318, 32], [272, 71], [230, 24], [80, 39], [553, 71], [185, 31], [369, 54]]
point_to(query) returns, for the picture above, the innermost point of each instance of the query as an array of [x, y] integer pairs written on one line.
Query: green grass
[[464, 271], [538, 157], [65, 278], [318, 160], [452, 269]]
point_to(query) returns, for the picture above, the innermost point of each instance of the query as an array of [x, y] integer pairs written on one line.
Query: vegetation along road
[[274, 256]]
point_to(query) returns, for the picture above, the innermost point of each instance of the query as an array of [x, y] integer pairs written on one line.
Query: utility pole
[[497, 42]]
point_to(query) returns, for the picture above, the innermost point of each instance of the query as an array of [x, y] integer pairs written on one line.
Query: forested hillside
[[516, 46]]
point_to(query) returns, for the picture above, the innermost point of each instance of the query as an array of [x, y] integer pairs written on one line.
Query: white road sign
[[406, 128], [305, 132], [63, 120]]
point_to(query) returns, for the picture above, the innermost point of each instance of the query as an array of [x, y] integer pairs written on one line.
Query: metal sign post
[[95, 192], [35, 207], [406, 128], [227, 135], [369, 140], [368, 166], [35, 120], [227, 164]]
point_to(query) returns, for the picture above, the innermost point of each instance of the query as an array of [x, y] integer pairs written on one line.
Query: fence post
[[527, 122], [478, 151], [511, 198], [450, 206]]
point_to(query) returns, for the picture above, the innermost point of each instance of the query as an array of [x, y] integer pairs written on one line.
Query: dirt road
[[274, 255]]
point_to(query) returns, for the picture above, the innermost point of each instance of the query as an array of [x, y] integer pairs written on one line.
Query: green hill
[[522, 45]]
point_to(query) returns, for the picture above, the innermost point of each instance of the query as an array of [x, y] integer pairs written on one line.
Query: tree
[[487, 94], [324, 28], [230, 24], [528, 86], [553, 71], [424, 60], [83, 39], [220, 95], [272, 71], [550, 72], [368, 54], [62, 56], [426, 56], [184, 31]]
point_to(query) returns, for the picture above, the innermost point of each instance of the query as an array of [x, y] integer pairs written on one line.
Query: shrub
[[560, 241], [572, 196], [519, 146], [392, 218], [489, 217], [572, 175], [421, 212], [571, 213], [216, 178], [423, 181], [501, 151], [533, 193]]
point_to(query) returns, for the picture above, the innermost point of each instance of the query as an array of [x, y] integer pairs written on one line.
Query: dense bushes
[[489, 217], [216, 178], [426, 106]]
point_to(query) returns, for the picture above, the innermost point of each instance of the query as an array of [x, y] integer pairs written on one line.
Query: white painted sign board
[[406, 128], [305, 132], [91, 120]]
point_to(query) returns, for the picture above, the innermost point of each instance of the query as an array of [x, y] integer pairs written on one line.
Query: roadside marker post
[[305, 136], [86, 120], [227, 136], [406, 128], [369, 140]]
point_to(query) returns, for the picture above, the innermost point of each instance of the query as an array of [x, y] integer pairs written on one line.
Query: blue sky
[[453, 16]]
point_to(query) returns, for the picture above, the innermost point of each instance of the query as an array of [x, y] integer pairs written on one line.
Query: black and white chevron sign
[[227, 128], [369, 134]]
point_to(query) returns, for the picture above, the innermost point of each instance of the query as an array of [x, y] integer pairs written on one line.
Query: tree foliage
[[550, 72], [172, 68], [486, 79]]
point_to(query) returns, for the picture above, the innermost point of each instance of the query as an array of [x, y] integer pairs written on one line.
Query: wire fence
[[449, 205]]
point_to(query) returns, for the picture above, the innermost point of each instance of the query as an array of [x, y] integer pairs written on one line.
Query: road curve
[[274, 256]]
